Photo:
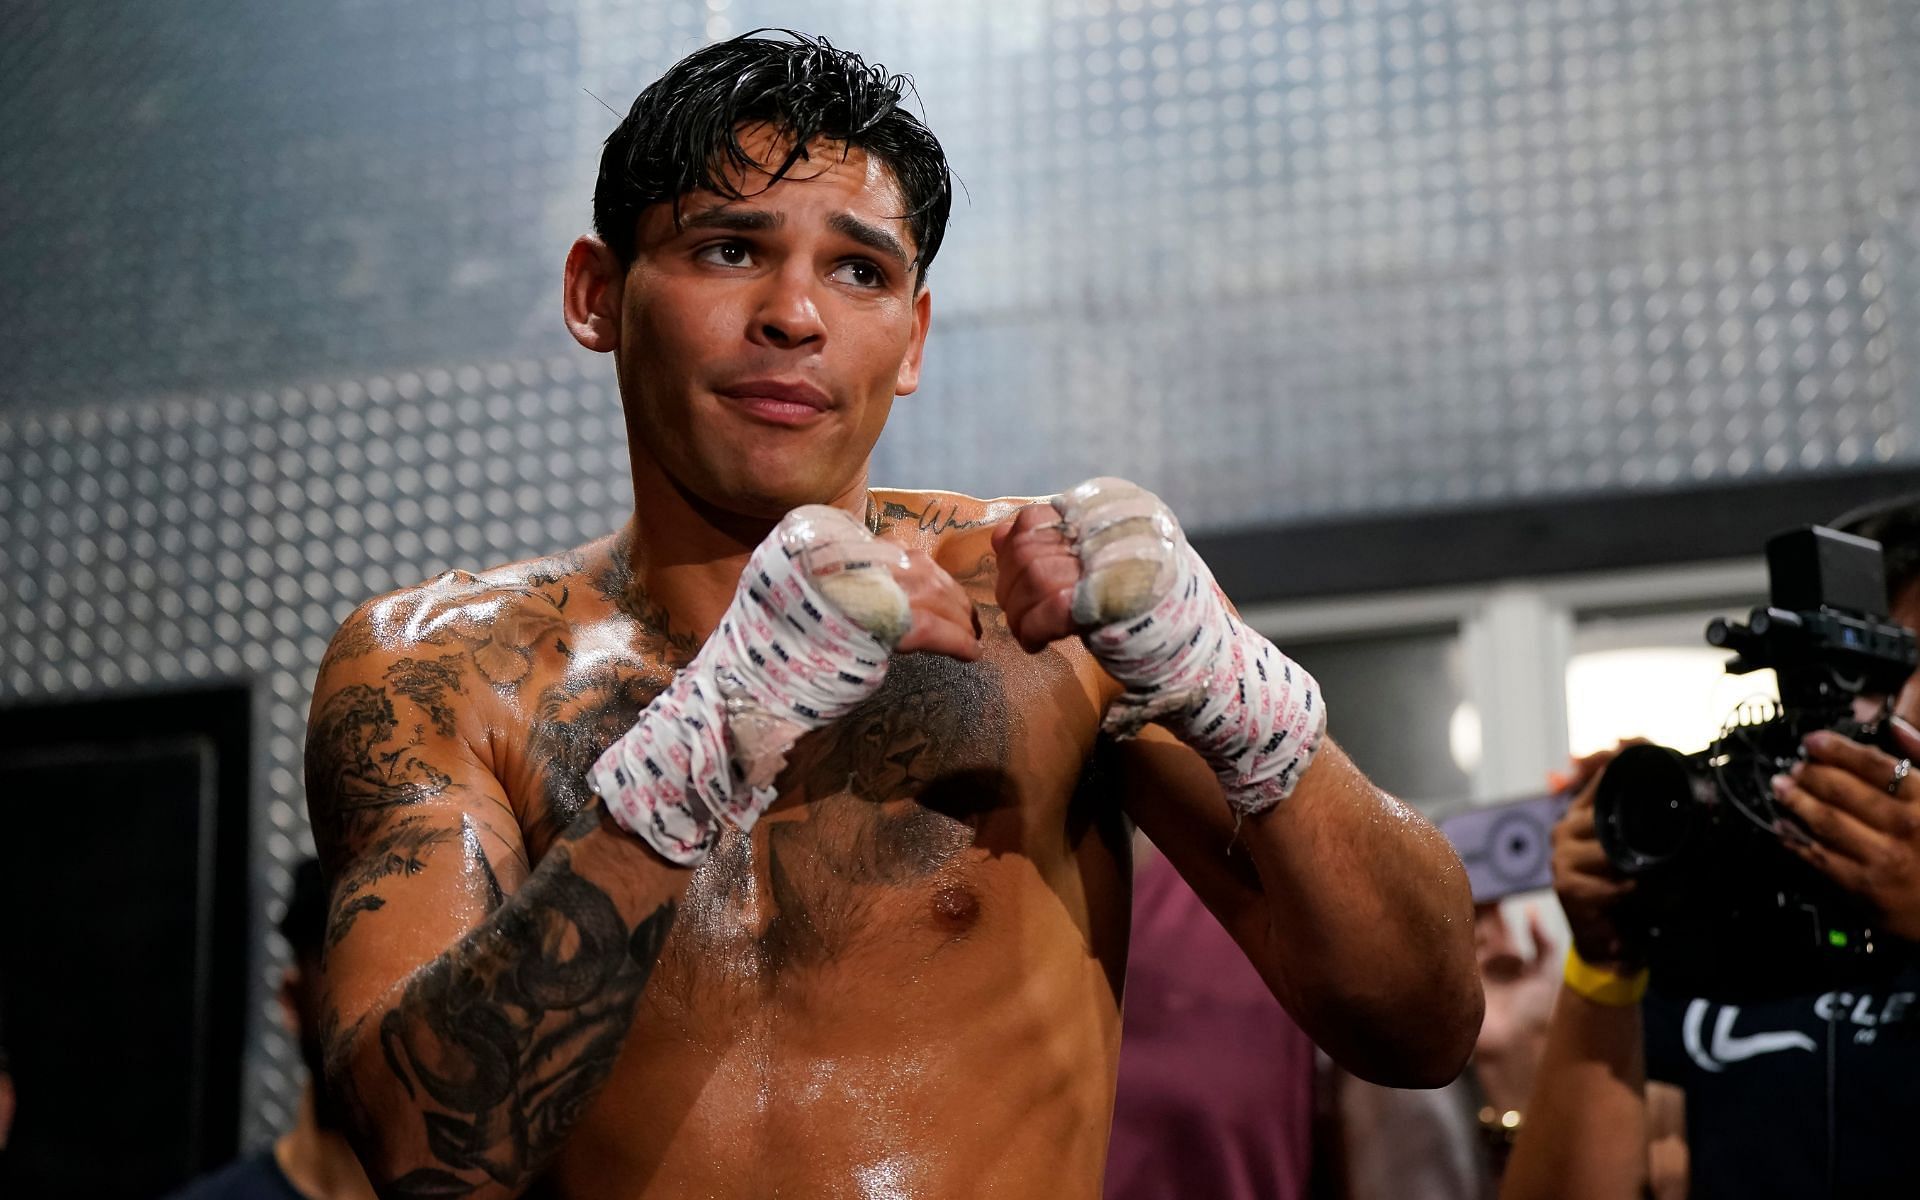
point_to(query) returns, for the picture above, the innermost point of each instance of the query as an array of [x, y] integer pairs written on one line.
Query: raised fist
[[902, 597], [1100, 553], [820, 607]]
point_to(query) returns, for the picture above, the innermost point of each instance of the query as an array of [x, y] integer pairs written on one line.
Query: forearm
[[1368, 927], [474, 1071], [1585, 1133]]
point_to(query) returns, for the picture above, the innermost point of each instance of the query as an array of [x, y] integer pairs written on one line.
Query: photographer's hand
[[1585, 1132], [1589, 888], [1864, 814]]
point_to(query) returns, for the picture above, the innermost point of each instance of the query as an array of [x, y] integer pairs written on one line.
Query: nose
[[785, 316]]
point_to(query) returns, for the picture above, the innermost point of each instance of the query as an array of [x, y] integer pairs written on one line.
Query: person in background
[[311, 1161], [1215, 1096], [1809, 1096], [1221, 1095], [1378, 1143], [1520, 981]]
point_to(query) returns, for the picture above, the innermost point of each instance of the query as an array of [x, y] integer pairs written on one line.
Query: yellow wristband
[[1603, 986]]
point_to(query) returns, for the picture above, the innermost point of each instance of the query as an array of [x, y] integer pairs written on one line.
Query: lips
[[780, 401]]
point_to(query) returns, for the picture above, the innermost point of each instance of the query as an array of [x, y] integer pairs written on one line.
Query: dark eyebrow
[[871, 236], [740, 220], [754, 220]]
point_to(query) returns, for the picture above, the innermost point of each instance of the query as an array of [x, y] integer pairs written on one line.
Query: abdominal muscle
[[962, 1044]]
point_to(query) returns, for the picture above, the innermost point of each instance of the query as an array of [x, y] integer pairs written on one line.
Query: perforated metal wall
[[158, 545], [278, 321]]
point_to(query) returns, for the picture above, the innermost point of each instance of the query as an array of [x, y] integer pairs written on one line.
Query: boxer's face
[[761, 343]]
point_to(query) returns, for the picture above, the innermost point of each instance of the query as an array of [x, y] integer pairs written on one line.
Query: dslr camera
[[1722, 908]]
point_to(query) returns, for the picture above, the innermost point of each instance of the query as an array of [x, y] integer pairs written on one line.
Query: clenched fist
[[854, 569], [944, 620], [1100, 553]]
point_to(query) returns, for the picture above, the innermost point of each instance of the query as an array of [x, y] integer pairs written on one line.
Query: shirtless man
[[833, 901]]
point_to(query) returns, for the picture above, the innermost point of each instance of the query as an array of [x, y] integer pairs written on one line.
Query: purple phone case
[[1507, 847]]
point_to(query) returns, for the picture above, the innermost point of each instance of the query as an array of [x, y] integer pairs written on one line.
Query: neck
[[318, 1162], [686, 555]]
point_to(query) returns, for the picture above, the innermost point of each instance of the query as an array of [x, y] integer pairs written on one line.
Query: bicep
[[415, 834]]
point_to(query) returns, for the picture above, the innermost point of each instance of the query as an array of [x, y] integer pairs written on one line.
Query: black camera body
[[1722, 908]]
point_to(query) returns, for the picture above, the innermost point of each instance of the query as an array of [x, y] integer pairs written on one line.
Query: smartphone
[[1507, 846]]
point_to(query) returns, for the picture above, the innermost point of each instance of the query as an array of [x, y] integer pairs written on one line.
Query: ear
[[591, 296], [908, 378]]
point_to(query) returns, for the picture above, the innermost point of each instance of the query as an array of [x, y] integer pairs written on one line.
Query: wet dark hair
[[1895, 524], [682, 134]]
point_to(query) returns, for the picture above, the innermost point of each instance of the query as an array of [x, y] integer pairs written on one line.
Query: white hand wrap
[[1161, 627], [805, 640]]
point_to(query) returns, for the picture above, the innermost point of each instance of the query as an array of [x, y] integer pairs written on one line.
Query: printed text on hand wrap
[[784, 661], [1189, 664]]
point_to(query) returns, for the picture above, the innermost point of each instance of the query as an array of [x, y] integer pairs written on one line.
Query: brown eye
[[860, 273], [725, 254]]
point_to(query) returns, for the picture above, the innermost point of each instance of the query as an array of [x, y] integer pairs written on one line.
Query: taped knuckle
[[1101, 489], [814, 524], [1125, 540], [858, 573]]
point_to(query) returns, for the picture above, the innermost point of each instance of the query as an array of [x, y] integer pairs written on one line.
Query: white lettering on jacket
[[1728, 1046]]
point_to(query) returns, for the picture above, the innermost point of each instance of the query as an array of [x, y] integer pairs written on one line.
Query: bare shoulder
[[415, 683], [489, 618]]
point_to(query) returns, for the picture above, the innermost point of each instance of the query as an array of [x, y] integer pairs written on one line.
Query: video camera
[[1722, 908]]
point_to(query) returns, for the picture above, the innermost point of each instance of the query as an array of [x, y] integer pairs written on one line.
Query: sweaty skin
[[904, 982]]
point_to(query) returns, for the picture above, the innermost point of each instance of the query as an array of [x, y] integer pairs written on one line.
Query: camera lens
[[1644, 809]]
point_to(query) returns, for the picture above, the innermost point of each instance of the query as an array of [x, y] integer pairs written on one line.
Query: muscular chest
[[884, 820]]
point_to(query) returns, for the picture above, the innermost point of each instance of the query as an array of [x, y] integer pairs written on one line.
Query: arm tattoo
[[357, 773], [355, 640], [402, 849], [502, 1042], [478, 861], [426, 682], [481, 1066]]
